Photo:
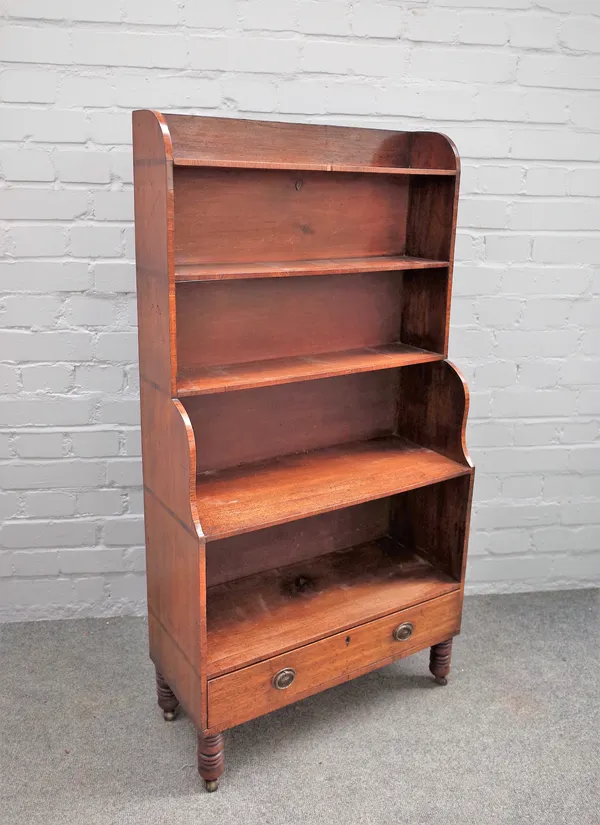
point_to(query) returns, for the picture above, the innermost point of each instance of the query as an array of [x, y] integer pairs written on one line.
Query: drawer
[[250, 692]]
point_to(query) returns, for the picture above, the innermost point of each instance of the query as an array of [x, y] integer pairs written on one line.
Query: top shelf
[[309, 167]]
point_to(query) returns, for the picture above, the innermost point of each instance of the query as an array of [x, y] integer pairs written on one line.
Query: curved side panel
[[433, 408], [433, 150]]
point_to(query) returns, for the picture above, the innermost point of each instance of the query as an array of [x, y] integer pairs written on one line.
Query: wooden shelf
[[222, 163], [260, 616], [283, 269], [208, 380], [253, 496]]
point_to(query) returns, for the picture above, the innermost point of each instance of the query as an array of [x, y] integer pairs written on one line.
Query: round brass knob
[[403, 631], [284, 678]]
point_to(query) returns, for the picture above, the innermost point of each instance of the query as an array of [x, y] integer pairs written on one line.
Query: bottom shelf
[[260, 616]]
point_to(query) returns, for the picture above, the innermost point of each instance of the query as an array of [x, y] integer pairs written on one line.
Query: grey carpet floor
[[514, 737]]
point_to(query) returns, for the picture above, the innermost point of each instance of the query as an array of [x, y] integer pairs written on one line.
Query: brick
[[581, 34], [9, 505], [116, 346], [490, 433], [571, 6], [152, 12], [34, 592], [89, 589], [121, 165], [35, 563], [47, 377], [51, 475], [147, 49], [42, 204], [133, 442], [96, 241], [39, 240], [100, 503], [90, 444], [524, 403], [303, 96], [90, 311], [571, 486], [40, 445], [63, 533], [124, 530], [499, 312], [533, 31], [516, 515], [496, 374], [26, 44], [33, 276], [581, 513], [483, 214], [6, 446], [540, 434], [538, 373], [546, 180], [113, 205], [522, 487], [110, 127], [90, 560], [507, 248], [565, 539], [544, 343], [131, 587], [480, 141], [380, 20], [223, 14], [486, 4], [585, 459], [546, 144], [323, 17], [579, 432], [82, 166], [500, 180], [589, 402], [114, 276], [87, 10], [125, 471], [586, 313], [584, 182], [559, 71], [546, 312], [566, 249], [134, 559], [99, 378], [577, 371], [47, 504], [546, 281], [462, 66], [584, 112], [27, 164], [236, 54], [9, 379], [27, 86], [19, 345], [51, 411], [476, 280], [124, 411], [135, 501], [509, 541], [30, 311], [78, 90], [488, 29], [250, 94], [44, 125], [555, 215], [337, 57]]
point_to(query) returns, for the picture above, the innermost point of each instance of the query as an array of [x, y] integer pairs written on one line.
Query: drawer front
[[252, 691]]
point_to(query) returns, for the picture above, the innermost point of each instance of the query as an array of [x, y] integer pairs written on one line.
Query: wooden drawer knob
[[403, 631], [284, 678]]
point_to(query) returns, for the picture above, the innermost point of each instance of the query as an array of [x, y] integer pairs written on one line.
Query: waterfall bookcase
[[307, 487]]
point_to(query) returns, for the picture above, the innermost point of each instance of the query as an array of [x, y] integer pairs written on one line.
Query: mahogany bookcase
[[307, 486]]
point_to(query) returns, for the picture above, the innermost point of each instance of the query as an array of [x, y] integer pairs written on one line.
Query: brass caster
[[211, 785], [169, 715], [440, 680]]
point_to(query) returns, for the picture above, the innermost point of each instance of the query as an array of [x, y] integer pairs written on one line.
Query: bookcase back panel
[[229, 215], [232, 558], [431, 218], [229, 322], [252, 425]]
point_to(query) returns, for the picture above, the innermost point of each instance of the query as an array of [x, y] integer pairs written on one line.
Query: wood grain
[[253, 215], [244, 694], [208, 380], [285, 269], [261, 495], [262, 424], [263, 615]]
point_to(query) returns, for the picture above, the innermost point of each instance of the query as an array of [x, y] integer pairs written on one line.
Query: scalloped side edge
[[467, 396]]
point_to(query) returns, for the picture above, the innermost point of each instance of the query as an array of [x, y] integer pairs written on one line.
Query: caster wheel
[[169, 715], [441, 680], [211, 785]]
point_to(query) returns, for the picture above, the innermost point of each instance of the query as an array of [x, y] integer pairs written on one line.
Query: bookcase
[[307, 486]]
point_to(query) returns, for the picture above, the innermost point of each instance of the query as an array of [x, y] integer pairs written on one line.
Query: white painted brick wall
[[516, 83]]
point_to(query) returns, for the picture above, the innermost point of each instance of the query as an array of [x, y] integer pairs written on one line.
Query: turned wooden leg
[[439, 661], [167, 701], [211, 761]]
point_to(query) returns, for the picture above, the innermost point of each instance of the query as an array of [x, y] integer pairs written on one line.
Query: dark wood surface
[[208, 380], [291, 418], [284, 269], [255, 215], [439, 661], [263, 615], [244, 694], [261, 495], [307, 428]]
